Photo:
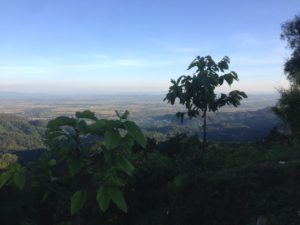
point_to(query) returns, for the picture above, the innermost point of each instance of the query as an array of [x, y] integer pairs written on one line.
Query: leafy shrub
[[87, 164]]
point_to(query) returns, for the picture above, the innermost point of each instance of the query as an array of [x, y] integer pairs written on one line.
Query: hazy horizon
[[104, 94], [61, 47]]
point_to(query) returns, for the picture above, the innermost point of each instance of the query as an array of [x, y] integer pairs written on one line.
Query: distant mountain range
[[24, 121], [155, 96]]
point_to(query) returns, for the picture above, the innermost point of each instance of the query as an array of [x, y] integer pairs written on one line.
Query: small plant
[[88, 160]]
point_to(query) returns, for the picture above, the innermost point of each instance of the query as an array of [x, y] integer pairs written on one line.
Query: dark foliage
[[291, 33], [241, 183], [287, 107]]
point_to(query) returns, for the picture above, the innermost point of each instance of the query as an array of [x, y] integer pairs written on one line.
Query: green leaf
[[61, 121], [77, 201], [136, 133], [112, 138], [118, 198], [82, 126], [243, 94], [125, 115], [98, 127], [19, 179], [126, 142], [223, 64], [229, 78], [103, 198], [115, 181], [221, 80], [192, 64], [125, 165], [45, 196], [52, 162], [5, 177], [74, 166], [87, 114]]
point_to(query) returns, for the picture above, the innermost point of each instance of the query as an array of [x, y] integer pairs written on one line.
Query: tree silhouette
[[291, 33], [197, 92], [288, 105]]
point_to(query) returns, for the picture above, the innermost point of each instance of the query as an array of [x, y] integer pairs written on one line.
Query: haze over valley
[[150, 112]]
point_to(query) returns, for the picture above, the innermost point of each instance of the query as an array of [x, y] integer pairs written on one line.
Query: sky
[[137, 46]]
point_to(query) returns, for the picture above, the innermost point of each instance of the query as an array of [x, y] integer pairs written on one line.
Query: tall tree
[[288, 105], [291, 33], [197, 92]]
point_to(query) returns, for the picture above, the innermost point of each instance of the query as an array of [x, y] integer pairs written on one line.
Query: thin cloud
[[109, 63], [42, 68], [102, 56], [270, 54], [245, 39], [271, 59], [22, 70], [184, 50]]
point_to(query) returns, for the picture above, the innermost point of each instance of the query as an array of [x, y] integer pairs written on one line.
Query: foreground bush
[[86, 168], [239, 182]]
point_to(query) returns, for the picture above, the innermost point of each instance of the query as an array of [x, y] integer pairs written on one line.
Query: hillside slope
[[17, 133], [221, 126]]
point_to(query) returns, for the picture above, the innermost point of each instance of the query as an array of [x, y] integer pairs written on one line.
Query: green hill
[[17, 133]]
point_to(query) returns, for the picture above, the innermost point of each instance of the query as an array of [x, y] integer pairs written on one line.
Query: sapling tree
[[197, 92]]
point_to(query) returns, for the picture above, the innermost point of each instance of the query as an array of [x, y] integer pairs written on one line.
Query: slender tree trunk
[[204, 131], [204, 137]]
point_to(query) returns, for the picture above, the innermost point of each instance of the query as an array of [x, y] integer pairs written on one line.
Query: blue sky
[[97, 46]]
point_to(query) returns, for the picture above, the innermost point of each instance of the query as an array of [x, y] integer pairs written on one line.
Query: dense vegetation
[[87, 163], [288, 106], [17, 133], [239, 184], [162, 183]]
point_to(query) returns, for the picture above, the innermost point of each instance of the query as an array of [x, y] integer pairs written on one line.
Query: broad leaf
[[112, 138], [118, 198], [20, 178], [82, 126], [77, 201], [98, 127], [45, 196], [229, 78], [115, 181], [125, 165], [103, 198], [124, 116], [136, 133], [52, 162], [126, 142], [5, 178], [74, 166]]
